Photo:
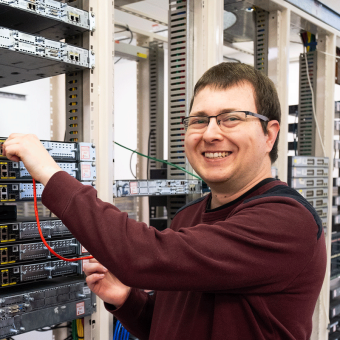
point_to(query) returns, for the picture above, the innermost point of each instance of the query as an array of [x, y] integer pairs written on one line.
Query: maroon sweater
[[251, 269]]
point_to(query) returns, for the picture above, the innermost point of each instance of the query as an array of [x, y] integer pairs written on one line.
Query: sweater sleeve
[[261, 248], [136, 313]]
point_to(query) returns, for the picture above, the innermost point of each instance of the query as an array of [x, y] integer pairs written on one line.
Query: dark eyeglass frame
[[248, 113]]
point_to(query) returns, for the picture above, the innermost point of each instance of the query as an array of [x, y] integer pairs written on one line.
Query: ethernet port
[[12, 258], [4, 196], [4, 174], [72, 17], [1, 149], [12, 237], [12, 196], [4, 259], [4, 189], [4, 252], [13, 280], [4, 281], [77, 58], [77, 19], [4, 167], [72, 57], [11, 174]]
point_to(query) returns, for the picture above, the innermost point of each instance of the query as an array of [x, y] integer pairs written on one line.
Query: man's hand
[[104, 284], [28, 149]]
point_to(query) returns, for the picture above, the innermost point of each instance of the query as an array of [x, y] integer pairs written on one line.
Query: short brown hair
[[226, 75]]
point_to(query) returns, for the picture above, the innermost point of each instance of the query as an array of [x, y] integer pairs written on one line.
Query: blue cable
[[115, 336]]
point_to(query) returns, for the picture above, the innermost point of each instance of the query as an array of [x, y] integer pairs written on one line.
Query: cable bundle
[[120, 332], [309, 41], [77, 329]]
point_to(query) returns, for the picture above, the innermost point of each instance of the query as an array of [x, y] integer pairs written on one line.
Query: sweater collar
[[225, 209]]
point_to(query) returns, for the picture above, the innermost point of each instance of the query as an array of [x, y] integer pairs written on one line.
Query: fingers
[[94, 278], [94, 268], [10, 151]]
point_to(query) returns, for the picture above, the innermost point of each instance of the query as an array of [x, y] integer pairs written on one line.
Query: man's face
[[235, 156]]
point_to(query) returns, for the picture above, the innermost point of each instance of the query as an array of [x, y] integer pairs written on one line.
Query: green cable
[[160, 160]]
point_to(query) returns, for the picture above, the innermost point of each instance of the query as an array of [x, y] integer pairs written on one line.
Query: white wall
[[29, 116]]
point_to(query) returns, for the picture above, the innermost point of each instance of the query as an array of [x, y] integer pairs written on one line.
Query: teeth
[[217, 154]]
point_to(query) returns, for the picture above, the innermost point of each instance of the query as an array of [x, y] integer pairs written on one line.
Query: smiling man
[[245, 262]]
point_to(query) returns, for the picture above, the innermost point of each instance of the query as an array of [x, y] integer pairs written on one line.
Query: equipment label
[[85, 171], [133, 188], [80, 308], [86, 290], [84, 153]]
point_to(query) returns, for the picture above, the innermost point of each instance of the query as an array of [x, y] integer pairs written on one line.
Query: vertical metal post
[[278, 64], [306, 132], [325, 117], [261, 40], [98, 129], [156, 64], [192, 50], [208, 36], [143, 124]]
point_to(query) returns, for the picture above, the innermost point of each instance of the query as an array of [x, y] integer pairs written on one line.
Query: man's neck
[[230, 193]]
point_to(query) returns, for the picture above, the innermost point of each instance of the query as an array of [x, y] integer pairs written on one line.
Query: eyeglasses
[[224, 120]]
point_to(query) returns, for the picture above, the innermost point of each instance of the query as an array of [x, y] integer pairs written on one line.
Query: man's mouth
[[216, 154]]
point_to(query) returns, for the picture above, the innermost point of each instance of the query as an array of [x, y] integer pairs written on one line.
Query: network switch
[[123, 188], [17, 171], [65, 17], [308, 172], [45, 303], [307, 161], [37, 271], [62, 151], [39, 46], [28, 230], [318, 202], [19, 253], [302, 183], [313, 192]]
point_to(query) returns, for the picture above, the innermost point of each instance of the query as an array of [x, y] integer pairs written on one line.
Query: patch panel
[[123, 188]]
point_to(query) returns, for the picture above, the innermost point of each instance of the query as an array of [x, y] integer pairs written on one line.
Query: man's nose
[[213, 131]]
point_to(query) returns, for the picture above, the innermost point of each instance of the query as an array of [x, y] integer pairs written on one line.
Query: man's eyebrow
[[204, 114]]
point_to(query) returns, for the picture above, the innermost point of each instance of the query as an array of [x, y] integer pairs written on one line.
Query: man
[[245, 262]]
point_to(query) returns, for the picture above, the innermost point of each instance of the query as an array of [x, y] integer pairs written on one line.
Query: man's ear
[[273, 129]]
